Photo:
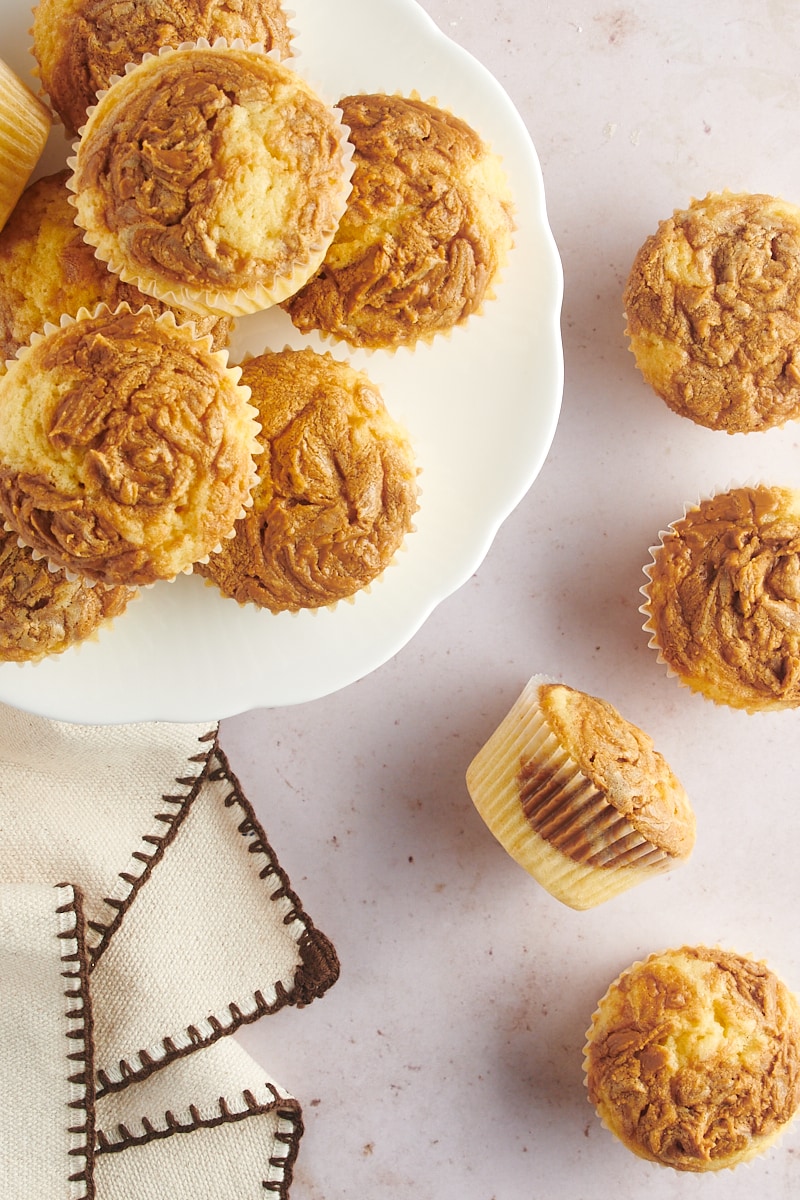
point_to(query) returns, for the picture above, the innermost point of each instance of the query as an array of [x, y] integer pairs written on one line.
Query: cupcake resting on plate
[[44, 612], [24, 128], [427, 230], [693, 1058], [48, 270], [713, 310], [80, 44], [722, 601], [126, 446], [579, 796], [337, 490], [212, 177]]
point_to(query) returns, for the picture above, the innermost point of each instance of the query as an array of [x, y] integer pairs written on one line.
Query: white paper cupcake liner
[[209, 299]]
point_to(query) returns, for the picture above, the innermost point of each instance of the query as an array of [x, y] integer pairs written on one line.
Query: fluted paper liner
[[694, 684], [187, 333], [550, 817], [421, 339], [238, 299], [761, 1143], [24, 128]]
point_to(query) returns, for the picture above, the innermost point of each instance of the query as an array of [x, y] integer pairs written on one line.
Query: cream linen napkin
[[143, 916]]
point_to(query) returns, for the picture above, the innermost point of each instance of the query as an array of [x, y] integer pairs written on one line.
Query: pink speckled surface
[[446, 1062]]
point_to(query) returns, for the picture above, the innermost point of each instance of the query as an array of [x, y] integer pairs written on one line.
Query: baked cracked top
[[427, 228], [127, 447], [80, 44], [723, 598], [623, 764], [47, 270], [214, 178], [337, 490], [44, 612], [693, 1058], [713, 311]]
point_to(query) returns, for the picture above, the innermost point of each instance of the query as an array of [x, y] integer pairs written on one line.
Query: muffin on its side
[[713, 310], [578, 796], [693, 1058], [47, 270], [427, 230], [80, 44], [24, 127], [722, 600], [337, 492], [44, 612], [212, 177], [126, 446]]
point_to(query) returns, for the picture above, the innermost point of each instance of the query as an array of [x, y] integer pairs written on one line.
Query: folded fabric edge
[[266, 1100], [318, 970], [320, 965], [78, 1015], [151, 849]]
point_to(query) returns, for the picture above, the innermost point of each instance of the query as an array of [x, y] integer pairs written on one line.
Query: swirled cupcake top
[[723, 600], [693, 1058], [337, 489], [127, 446], [623, 764], [713, 310], [44, 611], [47, 270], [427, 228], [79, 46], [211, 176]]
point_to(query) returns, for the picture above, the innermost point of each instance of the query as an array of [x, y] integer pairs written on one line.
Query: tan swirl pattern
[[127, 447]]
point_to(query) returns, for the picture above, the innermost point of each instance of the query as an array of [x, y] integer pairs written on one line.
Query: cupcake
[[579, 796], [337, 489], [80, 44], [713, 311], [47, 269], [44, 612], [24, 127], [212, 178], [126, 446], [693, 1058], [722, 601], [427, 229]]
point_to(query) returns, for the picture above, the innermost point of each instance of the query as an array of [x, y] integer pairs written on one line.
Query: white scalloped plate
[[481, 407]]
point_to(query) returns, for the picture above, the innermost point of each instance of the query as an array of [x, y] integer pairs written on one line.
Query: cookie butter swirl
[[126, 447], [80, 46], [623, 804], [43, 611], [723, 601], [209, 172], [713, 309], [337, 491], [427, 227], [693, 1058]]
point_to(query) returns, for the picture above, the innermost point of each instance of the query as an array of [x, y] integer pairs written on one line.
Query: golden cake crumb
[[427, 229], [693, 1058], [713, 311]]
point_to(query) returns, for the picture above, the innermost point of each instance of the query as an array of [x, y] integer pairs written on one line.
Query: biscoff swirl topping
[[43, 611], [713, 310], [41, 243], [694, 1054], [723, 601], [427, 224], [620, 762], [126, 448], [215, 168], [337, 489], [98, 38]]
